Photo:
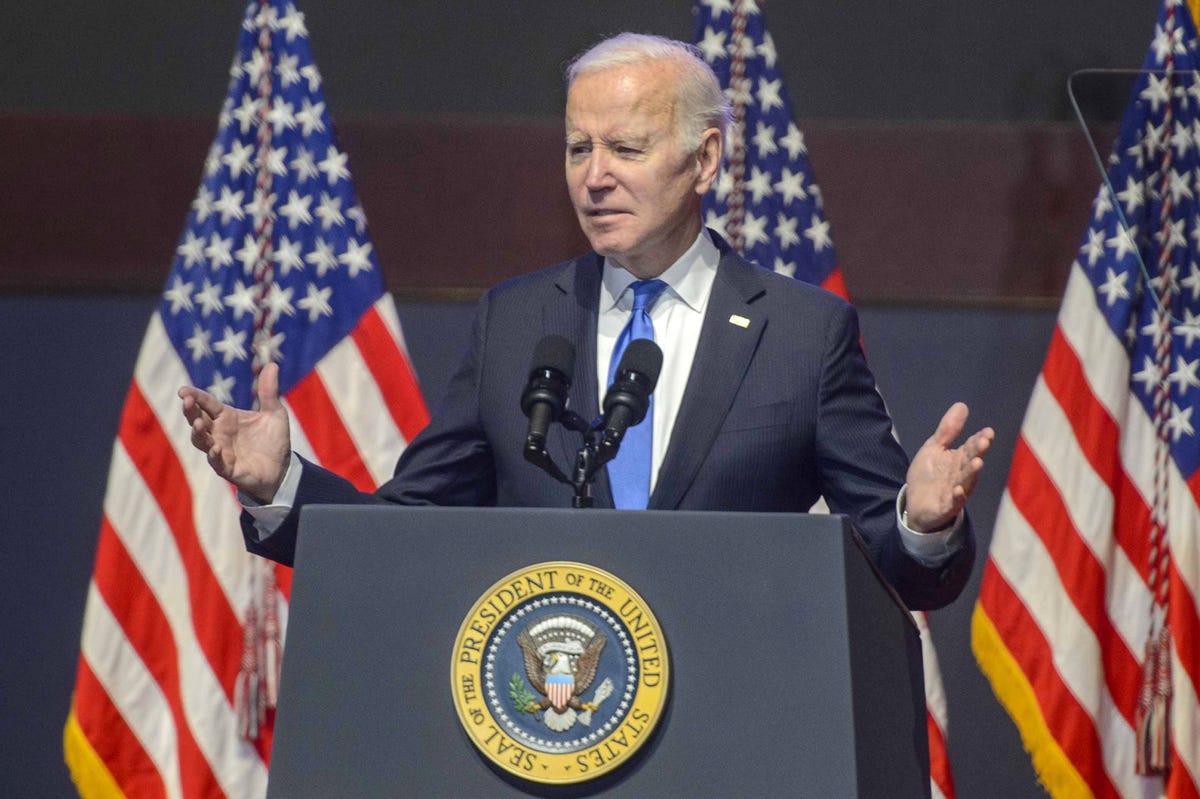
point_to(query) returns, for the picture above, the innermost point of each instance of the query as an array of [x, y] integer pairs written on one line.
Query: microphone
[[628, 397], [545, 394]]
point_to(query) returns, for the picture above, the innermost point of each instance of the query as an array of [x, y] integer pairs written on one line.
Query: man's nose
[[599, 173]]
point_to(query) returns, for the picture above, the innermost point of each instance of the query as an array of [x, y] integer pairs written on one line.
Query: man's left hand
[[940, 478]]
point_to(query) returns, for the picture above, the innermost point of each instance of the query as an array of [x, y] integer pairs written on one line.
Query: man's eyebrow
[[611, 140], [634, 140]]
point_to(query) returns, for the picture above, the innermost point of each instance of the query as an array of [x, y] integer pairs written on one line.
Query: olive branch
[[520, 696]]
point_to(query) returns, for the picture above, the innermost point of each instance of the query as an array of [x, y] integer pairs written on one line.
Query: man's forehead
[[621, 102]]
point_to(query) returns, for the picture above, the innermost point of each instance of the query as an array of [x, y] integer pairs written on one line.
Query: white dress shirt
[[678, 316]]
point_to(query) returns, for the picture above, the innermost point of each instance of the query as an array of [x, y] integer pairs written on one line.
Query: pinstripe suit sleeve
[[862, 467]]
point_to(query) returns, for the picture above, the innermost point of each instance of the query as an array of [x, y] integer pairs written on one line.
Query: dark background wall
[[954, 98], [918, 61]]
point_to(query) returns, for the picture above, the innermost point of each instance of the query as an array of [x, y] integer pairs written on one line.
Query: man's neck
[[650, 269]]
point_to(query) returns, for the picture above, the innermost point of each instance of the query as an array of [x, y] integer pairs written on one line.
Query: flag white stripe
[[1185, 719], [215, 508], [1032, 572], [300, 443], [131, 688], [1105, 366], [158, 375], [135, 516], [1104, 359], [1183, 530], [1183, 527], [363, 411], [935, 693]]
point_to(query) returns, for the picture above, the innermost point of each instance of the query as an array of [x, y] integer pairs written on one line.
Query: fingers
[[978, 444], [200, 409], [973, 451], [195, 401]]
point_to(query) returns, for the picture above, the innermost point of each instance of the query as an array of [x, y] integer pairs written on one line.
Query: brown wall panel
[[962, 212]]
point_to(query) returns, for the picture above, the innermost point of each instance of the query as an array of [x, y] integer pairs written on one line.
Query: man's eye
[[578, 149], [621, 150]]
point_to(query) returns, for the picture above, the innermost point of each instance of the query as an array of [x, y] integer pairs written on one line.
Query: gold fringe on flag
[[92, 778], [1055, 770]]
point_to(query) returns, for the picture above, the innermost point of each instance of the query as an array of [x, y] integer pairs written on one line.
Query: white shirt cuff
[[931, 549], [268, 518]]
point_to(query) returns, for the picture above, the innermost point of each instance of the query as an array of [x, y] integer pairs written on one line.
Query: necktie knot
[[645, 292]]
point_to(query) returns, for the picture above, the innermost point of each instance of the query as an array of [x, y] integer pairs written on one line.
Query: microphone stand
[[593, 454]]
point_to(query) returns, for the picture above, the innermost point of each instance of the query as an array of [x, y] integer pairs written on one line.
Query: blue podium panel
[[795, 671]]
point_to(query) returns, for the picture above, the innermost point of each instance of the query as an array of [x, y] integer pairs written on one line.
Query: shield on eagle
[[561, 655]]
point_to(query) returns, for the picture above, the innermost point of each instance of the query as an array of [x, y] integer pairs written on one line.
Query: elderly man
[[765, 402]]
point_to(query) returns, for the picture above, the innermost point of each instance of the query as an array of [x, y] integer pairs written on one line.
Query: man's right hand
[[250, 449]]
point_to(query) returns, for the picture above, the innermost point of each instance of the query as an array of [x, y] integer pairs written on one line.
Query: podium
[[795, 670]]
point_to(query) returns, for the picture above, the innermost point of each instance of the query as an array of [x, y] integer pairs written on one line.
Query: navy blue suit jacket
[[775, 414]]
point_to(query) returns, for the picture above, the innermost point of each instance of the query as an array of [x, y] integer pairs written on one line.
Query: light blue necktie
[[629, 472]]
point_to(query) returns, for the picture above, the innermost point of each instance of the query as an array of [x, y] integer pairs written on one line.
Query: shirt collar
[[690, 278]]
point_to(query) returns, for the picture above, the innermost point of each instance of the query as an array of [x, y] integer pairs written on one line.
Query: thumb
[[268, 389], [950, 426]]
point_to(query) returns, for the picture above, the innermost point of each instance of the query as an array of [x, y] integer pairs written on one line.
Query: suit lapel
[[572, 313], [722, 357]]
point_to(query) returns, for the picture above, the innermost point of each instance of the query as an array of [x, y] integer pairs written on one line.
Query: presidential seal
[[559, 673]]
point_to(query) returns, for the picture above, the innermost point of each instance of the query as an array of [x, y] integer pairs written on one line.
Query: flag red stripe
[[1180, 784], [134, 607], [392, 373], [326, 433], [1099, 439], [112, 740], [1082, 575], [1067, 720], [939, 763], [151, 452]]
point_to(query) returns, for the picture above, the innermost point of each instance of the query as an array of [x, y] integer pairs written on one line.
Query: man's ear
[[708, 159]]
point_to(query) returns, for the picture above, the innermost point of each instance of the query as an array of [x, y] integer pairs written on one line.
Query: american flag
[[1087, 622], [769, 206], [183, 630]]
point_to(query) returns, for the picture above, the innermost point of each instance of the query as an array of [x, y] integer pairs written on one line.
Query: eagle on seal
[[561, 668]]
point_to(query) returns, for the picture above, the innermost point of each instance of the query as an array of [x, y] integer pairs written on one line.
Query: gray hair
[[702, 104]]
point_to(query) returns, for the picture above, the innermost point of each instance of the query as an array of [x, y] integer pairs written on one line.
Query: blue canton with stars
[[1149, 207], [324, 273], [785, 227]]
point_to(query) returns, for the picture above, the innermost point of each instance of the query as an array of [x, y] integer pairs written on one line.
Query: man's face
[[635, 190]]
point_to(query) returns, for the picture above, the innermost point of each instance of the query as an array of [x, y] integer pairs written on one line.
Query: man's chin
[[607, 245]]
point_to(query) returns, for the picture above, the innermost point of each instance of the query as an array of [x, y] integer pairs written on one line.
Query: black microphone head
[[549, 378], [645, 358], [634, 381], [554, 352]]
